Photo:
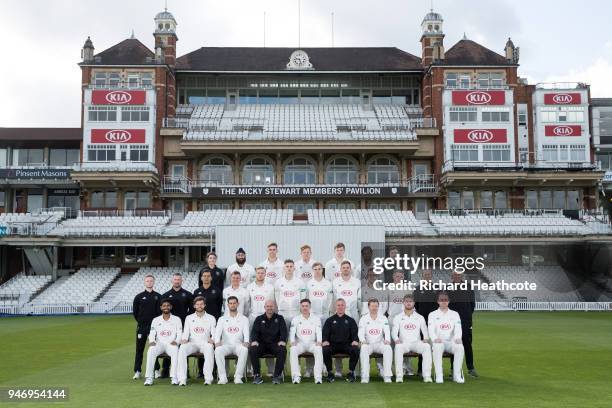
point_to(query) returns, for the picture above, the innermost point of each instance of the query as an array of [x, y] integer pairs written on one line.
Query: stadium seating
[[202, 223], [22, 286], [30, 224], [395, 222], [113, 226], [83, 286]]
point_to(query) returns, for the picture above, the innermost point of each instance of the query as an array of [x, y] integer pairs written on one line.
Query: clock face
[[299, 59]]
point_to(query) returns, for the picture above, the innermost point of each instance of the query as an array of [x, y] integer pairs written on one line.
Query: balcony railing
[[122, 86], [476, 87], [116, 165], [561, 85], [423, 183], [451, 165]]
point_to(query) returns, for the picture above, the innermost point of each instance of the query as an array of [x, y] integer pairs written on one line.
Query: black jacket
[[425, 302], [218, 276], [464, 303], [340, 329], [269, 331], [214, 299], [182, 302], [146, 307]]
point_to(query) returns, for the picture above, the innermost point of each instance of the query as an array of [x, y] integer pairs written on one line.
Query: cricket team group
[[319, 312]]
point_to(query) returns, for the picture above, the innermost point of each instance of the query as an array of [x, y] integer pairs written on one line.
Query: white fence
[[126, 307]]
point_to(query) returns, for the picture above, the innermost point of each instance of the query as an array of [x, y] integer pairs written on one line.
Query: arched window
[[217, 170], [258, 171], [341, 171], [383, 170], [299, 171]]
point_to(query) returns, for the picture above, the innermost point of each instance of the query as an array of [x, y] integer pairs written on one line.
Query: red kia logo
[[374, 332], [199, 330], [318, 293], [306, 332], [347, 292], [289, 293], [271, 274], [233, 329], [118, 136], [478, 98], [563, 131], [165, 333], [445, 326], [480, 136], [259, 298], [118, 97], [562, 98], [410, 326]]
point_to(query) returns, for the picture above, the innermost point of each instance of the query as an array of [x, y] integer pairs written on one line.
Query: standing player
[[367, 262], [239, 292], [303, 267], [375, 337], [182, 305], [320, 293], [372, 293], [406, 332], [197, 337], [145, 308], [268, 336], [217, 274], [340, 335], [289, 291], [259, 293], [247, 272], [305, 336], [464, 303], [425, 302], [273, 264], [232, 338], [333, 266], [211, 294], [163, 338], [445, 333]]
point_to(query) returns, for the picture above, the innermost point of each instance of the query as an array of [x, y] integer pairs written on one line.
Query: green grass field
[[524, 359]]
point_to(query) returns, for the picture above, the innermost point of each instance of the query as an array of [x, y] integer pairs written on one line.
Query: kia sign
[[479, 98], [124, 136], [99, 97], [570, 98], [563, 130], [481, 136]]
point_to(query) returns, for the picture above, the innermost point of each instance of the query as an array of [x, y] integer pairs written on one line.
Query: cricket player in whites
[[163, 338], [445, 334], [333, 266], [232, 338], [305, 336], [289, 291], [240, 292], [375, 337], [406, 333], [197, 337]]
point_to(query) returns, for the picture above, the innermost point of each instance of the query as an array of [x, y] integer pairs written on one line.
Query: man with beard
[[217, 274], [247, 272], [214, 301], [165, 333]]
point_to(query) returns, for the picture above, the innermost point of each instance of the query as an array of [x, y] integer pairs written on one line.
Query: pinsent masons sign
[[118, 97], [298, 191], [35, 173]]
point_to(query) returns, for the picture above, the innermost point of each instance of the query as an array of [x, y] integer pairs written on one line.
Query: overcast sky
[[560, 40]]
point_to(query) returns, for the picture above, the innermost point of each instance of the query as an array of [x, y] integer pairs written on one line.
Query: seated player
[[165, 333], [305, 336], [375, 337], [232, 338], [445, 334]]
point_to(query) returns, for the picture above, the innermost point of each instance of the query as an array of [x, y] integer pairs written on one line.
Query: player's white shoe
[[136, 375], [338, 374], [209, 382], [174, 381], [238, 380], [182, 383], [387, 379], [222, 381], [157, 374], [296, 380], [399, 380], [427, 380], [365, 380], [439, 380], [148, 381], [459, 380]]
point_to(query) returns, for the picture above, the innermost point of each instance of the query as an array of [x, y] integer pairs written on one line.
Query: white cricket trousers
[[154, 351], [299, 348], [449, 347], [237, 350], [188, 349], [424, 349], [364, 358]]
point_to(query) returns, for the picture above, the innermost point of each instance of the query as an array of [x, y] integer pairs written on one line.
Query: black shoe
[[331, 378], [257, 379], [350, 377], [276, 380], [473, 373]]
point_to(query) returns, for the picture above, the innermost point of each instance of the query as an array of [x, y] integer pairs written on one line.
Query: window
[[577, 153], [454, 200], [3, 157], [468, 200], [101, 153], [136, 255], [133, 81], [501, 201], [559, 199], [300, 208], [496, 116], [383, 170], [486, 199], [147, 80], [463, 114], [216, 206], [341, 170], [107, 80], [63, 157], [114, 80], [384, 206], [2, 200], [464, 81], [257, 206], [139, 153], [549, 153], [546, 199], [103, 255], [28, 157], [532, 199], [100, 79], [258, 171], [299, 171], [604, 158], [451, 80], [490, 80], [573, 200], [562, 114], [137, 199], [495, 153], [134, 113], [522, 116], [217, 170], [103, 199], [177, 170], [464, 152], [341, 206], [102, 113]]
